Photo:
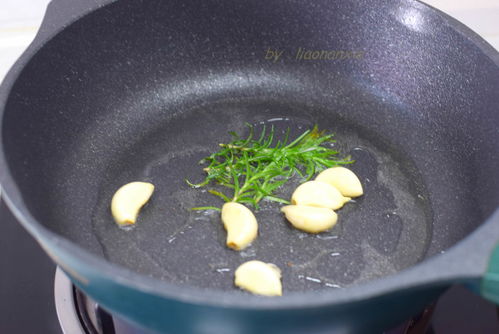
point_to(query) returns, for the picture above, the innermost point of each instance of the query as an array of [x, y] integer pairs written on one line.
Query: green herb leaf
[[253, 169], [204, 208]]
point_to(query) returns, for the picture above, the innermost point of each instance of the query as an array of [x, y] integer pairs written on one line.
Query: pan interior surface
[[384, 231], [142, 91]]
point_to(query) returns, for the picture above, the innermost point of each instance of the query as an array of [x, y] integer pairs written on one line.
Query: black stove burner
[[27, 297], [420, 324], [103, 322]]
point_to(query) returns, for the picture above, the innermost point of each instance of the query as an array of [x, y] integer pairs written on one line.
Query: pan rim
[[419, 275]]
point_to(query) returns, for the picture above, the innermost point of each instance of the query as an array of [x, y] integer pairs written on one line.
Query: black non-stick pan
[[142, 90]]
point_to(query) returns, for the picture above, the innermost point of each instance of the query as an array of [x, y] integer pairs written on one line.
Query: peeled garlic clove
[[259, 278], [128, 201], [342, 179], [240, 224], [310, 219], [318, 194]]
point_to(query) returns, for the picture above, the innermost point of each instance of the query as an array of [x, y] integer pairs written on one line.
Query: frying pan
[[113, 92]]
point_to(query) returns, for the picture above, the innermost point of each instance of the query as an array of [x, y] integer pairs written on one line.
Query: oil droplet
[[250, 252], [302, 235], [127, 227], [313, 279], [326, 237], [277, 119]]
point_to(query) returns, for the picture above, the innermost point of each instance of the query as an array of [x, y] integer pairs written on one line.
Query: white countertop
[[20, 19]]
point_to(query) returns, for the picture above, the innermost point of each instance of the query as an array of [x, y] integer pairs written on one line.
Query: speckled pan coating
[[141, 90]]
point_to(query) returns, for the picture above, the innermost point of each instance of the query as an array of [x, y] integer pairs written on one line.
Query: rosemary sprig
[[253, 169]]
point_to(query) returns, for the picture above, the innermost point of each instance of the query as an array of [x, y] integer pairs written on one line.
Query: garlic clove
[[342, 179], [318, 194], [128, 200], [259, 278], [310, 219], [241, 225]]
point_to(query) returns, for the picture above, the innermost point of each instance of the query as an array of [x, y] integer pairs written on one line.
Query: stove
[[36, 297], [80, 314]]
